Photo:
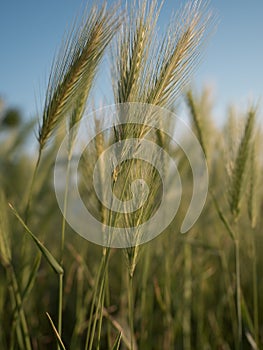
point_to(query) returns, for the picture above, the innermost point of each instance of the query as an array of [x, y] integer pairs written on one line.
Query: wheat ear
[[74, 69]]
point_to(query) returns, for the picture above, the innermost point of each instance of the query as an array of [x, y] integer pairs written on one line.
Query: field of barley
[[176, 285]]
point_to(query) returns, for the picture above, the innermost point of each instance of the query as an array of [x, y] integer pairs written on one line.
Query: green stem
[[144, 311], [99, 305], [93, 304], [65, 207], [62, 243], [60, 305], [131, 310], [30, 195], [100, 277], [24, 255], [169, 322], [255, 291], [100, 310], [16, 326], [238, 293], [107, 299], [231, 296], [187, 296], [18, 301]]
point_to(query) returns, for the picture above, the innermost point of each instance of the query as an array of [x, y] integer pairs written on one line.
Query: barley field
[[167, 290]]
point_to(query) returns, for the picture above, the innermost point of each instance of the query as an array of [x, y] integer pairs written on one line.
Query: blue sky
[[31, 31]]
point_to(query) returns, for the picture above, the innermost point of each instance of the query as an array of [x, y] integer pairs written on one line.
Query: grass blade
[[46, 253], [5, 244], [223, 219], [59, 341], [32, 277], [117, 342]]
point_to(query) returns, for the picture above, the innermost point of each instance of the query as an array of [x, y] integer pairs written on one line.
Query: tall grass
[[202, 290]]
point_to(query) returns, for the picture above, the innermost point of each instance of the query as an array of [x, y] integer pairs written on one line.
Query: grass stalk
[[95, 290], [144, 313], [255, 292], [99, 306], [60, 305], [107, 304], [131, 309], [65, 207], [61, 346], [231, 297], [16, 326], [238, 293], [62, 244], [18, 301], [31, 188], [169, 338], [187, 296], [100, 310], [99, 286]]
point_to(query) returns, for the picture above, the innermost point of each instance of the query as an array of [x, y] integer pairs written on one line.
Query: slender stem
[[93, 303], [16, 326], [65, 208], [99, 303], [107, 304], [187, 296], [62, 243], [60, 305], [100, 277], [231, 296], [17, 297], [145, 319], [10, 270], [30, 195], [169, 333], [255, 291], [131, 301], [24, 255], [238, 293], [101, 314]]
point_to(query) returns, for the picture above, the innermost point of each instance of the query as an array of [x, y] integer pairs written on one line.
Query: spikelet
[[132, 51]]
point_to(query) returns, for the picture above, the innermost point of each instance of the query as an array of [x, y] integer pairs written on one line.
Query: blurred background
[[31, 32]]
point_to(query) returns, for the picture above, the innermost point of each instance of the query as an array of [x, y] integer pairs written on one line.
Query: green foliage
[[11, 118]]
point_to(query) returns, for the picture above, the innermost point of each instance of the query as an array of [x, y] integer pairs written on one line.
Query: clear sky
[[31, 31]]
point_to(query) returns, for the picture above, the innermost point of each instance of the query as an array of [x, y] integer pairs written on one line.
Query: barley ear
[[196, 119], [131, 51], [237, 180], [179, 53], [254, 192], [74, 68]]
